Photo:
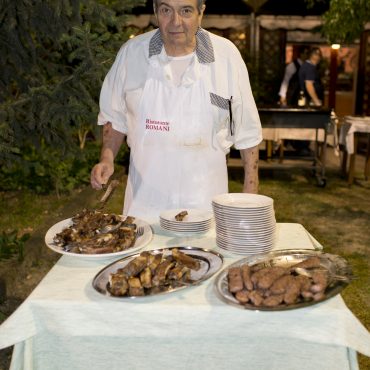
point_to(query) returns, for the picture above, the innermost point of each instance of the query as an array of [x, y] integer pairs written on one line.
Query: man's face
[[178, 22], [316, 57]]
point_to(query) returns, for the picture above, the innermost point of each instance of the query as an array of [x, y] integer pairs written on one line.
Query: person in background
[[309, 78], [181, 97], [290, 86], [310, 84], [290, 92]]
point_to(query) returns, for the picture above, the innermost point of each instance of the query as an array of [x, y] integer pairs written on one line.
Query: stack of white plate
[[245, 223], [196, 222]]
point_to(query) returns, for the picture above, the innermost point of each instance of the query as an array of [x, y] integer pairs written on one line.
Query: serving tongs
[[109, 190], [103, 201], [332, 277]]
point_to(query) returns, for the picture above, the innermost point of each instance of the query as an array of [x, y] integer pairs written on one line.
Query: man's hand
[[250, 164], [312, 92], [101, 173], [283, 101]]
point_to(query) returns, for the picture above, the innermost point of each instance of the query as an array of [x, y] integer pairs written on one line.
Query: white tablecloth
[[277, 134], [66, 324], [349, 127]]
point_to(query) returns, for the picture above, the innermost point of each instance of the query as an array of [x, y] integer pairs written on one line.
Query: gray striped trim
[[204, 48], [155, 44], [219, 101]]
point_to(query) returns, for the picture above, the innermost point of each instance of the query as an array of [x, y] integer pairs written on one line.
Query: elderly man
[[182, 97]]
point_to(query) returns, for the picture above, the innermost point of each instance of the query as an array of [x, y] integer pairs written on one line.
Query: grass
[[337, 216], [24, 210]]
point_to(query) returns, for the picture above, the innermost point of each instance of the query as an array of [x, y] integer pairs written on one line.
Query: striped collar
[[204, 48]]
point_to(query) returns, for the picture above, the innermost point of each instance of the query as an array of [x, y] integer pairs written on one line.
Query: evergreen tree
[[54, 56], [345, 20]]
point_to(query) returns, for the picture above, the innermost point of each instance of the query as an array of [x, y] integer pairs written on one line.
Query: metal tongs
[[107, 195], [331, 276], [103, 201]]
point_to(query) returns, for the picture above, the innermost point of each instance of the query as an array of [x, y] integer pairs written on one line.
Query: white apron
[[175, 160]]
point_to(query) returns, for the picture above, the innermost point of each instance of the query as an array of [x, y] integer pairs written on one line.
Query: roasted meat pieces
[[151, 273], [273, 286], [94, 232], [180, 216]]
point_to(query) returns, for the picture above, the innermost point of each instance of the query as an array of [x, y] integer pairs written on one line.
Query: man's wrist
[[106, 158]]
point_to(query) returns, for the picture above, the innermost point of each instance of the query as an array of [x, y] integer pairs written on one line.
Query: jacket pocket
[[219, 101], [222, 121]]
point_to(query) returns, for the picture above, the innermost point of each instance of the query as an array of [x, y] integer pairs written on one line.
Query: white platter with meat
[[93, 234]]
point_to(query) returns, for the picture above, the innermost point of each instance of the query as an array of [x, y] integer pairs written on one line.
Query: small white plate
[[243, 200], [193, 216]]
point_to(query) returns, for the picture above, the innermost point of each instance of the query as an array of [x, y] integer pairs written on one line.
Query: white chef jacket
[[219, 59]]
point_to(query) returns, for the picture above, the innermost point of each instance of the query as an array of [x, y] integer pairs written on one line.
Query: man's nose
[[176, 19]]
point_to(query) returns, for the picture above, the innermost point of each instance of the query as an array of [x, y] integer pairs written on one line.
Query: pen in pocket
[[231, 116]]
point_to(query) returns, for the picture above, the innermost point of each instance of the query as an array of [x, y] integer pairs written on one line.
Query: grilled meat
[[134, 267], [93, 232], [154, 261], [279, 286], [135, 287], [151, 273], [185, 259], [265, 281], [246, 275], [243, 296], [178, 272], [235, 280], [146, 277], [273, 286], [273, 300], [118, 285], [162, 271], [180, 216]]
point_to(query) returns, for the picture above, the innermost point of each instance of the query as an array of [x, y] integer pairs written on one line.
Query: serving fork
[[139, 231]]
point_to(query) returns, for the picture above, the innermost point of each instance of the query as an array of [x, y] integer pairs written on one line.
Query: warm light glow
[[131, 36], [241, 36], [335, 46]]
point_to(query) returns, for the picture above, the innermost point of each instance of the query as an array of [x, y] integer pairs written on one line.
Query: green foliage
[[345, 20], [54, 56], [265, 82], [11, 244], [46, 169]]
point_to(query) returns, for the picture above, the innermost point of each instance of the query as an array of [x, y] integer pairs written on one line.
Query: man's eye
[[186, 12], [165, 11]]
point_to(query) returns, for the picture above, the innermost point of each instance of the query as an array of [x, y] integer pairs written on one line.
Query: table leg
[[344, 162], [352, 161], [269, 144], [281, 152], [367, 162], [323, 156]]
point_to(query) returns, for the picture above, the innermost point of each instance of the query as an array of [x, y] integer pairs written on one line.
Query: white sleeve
[[248, 131], [112, 104], [289, 72]]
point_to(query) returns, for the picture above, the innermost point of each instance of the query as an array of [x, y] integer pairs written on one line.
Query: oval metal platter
[[334, 264], [210, 263]]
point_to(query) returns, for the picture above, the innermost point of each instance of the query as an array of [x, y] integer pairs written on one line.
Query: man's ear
[[203, 9]]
